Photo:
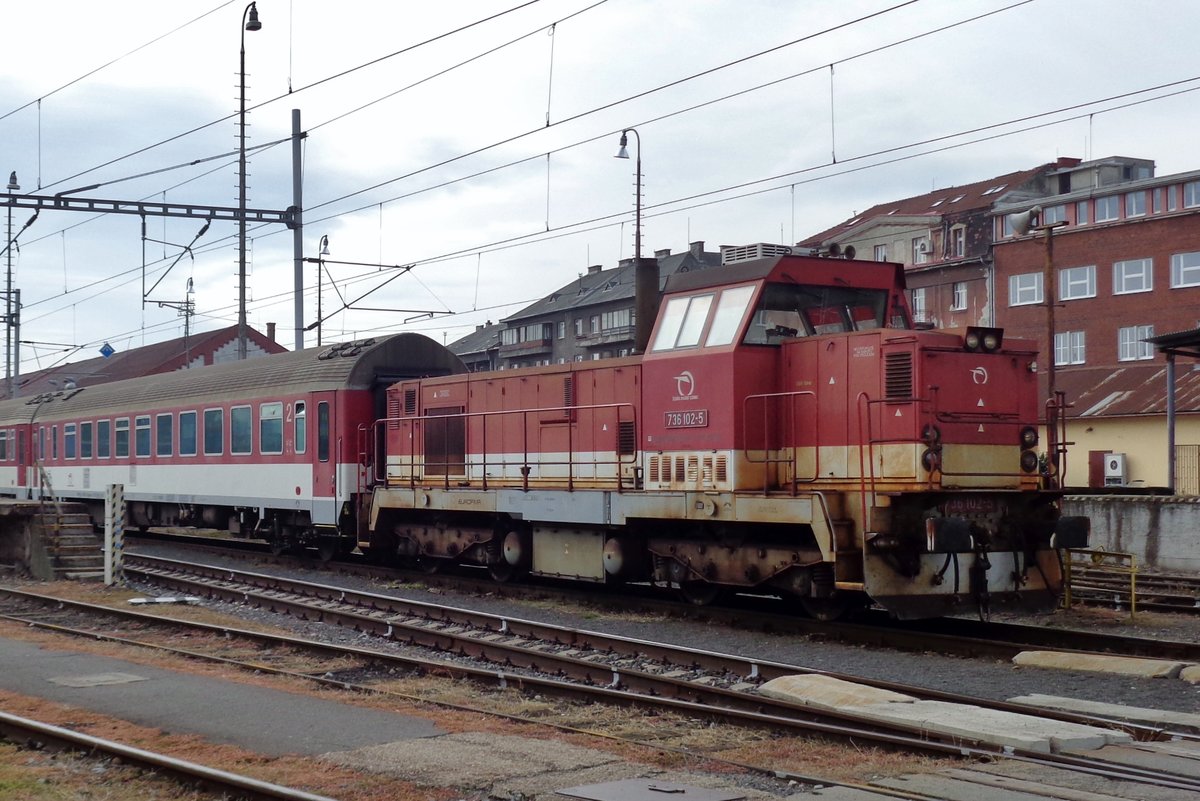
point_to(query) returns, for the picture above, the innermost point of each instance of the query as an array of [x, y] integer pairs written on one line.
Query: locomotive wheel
[[431, 565], [699, 593], [503, 572], [826, 608]]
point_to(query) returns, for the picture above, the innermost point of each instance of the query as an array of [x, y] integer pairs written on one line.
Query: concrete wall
[[1161, 532]]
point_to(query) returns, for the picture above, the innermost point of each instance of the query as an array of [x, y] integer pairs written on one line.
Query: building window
[[562, 329], [920, 249], [141, 435], [1107, 209], [594, 324], [122, 438], [1133, 275], [881, 253], [187, 433], [214, 432], [1053, 214], [69, 441], [163, 446], [1130, 346], [1185, 269], [241, 425], [1069, 347], [1024, 289], [918, 305], [1077, 282], [1081, 213], [1172, 198], [1191, 194], [960, 296], [958, 241], [270, 428], [1135, 203], [616, 319], [1158, 200], [579, 326]]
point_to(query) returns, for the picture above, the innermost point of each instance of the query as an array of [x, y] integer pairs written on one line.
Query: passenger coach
[[266, 447]]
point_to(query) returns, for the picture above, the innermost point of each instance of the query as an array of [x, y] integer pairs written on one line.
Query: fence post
[[114, 534]]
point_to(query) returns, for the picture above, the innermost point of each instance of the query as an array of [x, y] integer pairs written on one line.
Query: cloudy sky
[[474, 141]]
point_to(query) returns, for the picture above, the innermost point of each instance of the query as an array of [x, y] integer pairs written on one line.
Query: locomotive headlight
[[1029, 437], [1029, 461], [971, 341], [987, 340], [991, 341]]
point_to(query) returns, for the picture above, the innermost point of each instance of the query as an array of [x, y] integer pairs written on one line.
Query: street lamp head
[[13, 186], [623, 153], [253, 24], [324, 246]]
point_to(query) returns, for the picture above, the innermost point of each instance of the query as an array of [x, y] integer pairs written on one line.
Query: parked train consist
[[788, 431]]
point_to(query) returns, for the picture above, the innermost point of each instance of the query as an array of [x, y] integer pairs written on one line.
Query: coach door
[[326, 454], [22, 463]]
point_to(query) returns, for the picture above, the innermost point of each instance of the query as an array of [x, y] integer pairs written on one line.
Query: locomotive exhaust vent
[[898, 375], [410, 402], [626, 437]]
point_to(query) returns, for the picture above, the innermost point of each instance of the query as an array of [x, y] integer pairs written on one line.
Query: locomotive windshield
[[798, 310]]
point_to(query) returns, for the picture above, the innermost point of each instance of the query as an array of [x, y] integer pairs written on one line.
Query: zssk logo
[[685, 386], [979, 375]]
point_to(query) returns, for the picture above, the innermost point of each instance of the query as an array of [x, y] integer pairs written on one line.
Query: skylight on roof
[[893, 211], [957, 198], [996, 189], [854, 221], [937, 202]]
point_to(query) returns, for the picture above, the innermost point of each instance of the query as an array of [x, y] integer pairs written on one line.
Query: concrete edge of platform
[[1138, 666]]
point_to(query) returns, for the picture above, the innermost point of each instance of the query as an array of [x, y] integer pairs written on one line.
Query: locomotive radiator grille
[[898, 375], [687, 471]]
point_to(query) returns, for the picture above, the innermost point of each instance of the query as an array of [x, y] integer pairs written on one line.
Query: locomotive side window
[[786, 310], [300, 427], [730, 309], [241, 427], [682, 322], [103, 439], [141, 435], [214, 432], [187, 433], [323, 431], [69, 435], [121, 431], [164, 444], [85, 440], [270, 428]]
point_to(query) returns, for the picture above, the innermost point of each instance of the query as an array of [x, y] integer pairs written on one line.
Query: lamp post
[[645, 272], [321, 268], [249, 23], [13, 186]]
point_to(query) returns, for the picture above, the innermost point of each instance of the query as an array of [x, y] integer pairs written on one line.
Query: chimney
[[697, 249], [271, 331], [662, 254], [593, 269]]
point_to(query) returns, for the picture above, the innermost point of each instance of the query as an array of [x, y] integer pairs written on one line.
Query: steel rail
[[29, 732]]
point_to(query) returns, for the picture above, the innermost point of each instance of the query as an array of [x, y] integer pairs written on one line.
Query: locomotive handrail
[[767, 460], [418, 464]]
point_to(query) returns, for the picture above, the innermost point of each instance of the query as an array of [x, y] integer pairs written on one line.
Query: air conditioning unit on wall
[[1115, 470]]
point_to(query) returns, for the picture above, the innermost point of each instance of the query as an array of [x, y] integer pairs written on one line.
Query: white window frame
[[1053, 214], [958, 241], [1130, 344], [1077, 283], [959, 302], [1110, 207], [919, 308], [1133, 275], [1191, 194], [1025, 289], [1069, 347], [1185, 269], [1135, 203], [919, 255], [1083, 212]]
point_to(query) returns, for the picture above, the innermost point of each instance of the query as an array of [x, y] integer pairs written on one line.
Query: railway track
[[223, 784], [553, 660], [1100, 585]]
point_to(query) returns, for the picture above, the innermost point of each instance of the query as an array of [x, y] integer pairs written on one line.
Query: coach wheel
[[327, 549], [699, 593], [278, 546]]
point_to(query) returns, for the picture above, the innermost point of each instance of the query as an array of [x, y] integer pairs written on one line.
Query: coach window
[[41, 443], [163, 441], [241, 427], [323, 431], [300, 423], [69, 434], [54, 443], [270, 428], [121, 433], [141, 426], [3, 446], [187, 433], [85, 440], [103, 439], [214, 432]]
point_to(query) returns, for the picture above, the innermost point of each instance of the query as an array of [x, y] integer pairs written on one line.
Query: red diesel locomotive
[[787, 431]]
